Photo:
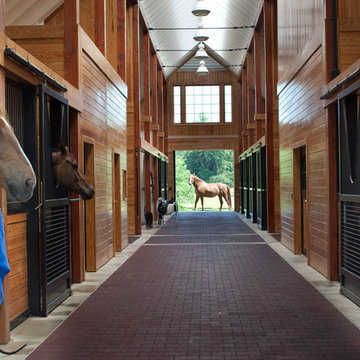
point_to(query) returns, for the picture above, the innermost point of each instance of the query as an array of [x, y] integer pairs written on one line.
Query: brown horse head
[[67, 173], [192, 178], [16, 173]]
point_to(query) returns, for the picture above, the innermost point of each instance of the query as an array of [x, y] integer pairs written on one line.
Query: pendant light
[[201, 53], [201, 9], [202, 69]]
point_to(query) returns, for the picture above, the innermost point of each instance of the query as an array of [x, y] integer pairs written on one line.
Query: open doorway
[[211, 166]]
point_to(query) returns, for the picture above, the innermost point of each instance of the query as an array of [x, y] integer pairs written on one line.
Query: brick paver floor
[[180, 297]]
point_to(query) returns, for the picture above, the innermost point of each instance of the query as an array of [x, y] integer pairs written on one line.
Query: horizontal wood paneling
[[300, 29], [46, 43], [17, 255], [348, 37], [104, 120], [302, 121]]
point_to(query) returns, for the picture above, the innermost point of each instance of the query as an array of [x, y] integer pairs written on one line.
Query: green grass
[[210, 204]]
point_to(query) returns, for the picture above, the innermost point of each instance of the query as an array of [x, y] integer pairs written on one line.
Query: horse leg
[[197, 199], [202, 203], [221, 202]]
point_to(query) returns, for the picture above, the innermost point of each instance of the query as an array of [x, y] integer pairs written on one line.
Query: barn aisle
[[204, 286]]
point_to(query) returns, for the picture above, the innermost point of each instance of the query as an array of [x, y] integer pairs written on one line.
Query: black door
[[241, 185], [349, 190], [246, 186], [55, 211], [252, 187], [261, 187], [163, 178]]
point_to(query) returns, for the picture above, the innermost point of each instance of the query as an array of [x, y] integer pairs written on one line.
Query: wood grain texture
[[17, 256], [104, 120], [302, 121], [300, 28], [46, 43]]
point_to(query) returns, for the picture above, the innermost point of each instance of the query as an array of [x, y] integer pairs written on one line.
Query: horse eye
[[75, 166]]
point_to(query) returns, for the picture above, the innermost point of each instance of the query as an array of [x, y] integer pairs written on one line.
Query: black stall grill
[[350, 240], [57, 243]]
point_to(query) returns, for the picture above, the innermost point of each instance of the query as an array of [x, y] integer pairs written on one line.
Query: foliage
[[211, 166]]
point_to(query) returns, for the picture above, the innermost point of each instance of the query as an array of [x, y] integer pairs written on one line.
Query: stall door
[[20, 103], [246, 186], [252, 187], [163, 179], [349, 188], [55, 211], [261, 187], [241, 186]]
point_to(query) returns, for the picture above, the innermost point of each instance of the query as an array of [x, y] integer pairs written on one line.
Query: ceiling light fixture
[[201, 53], [201, 9], [201, 35], [202, 69]]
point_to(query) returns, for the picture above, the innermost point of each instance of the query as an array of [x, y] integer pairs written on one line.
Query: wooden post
[[154, 95], [251, 98], [100, 24], [136, 97], [111, 32], [146, 112], [244, 108], [270, 93], [121, 38], [71, 42], [259, 101], [160, 109], [77, 220]]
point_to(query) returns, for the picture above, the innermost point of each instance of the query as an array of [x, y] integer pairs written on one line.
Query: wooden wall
[[302, 121], [103, 120], [348, 33], [300, 25], [17, 255], [223, 136], [46, 43]]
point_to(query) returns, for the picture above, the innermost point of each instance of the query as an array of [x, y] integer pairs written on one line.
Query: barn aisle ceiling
[[176, 47]]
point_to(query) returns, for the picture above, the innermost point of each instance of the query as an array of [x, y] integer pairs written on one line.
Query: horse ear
[[63, 149]]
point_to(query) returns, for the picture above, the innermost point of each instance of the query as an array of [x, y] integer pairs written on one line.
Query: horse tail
[[229, 195]]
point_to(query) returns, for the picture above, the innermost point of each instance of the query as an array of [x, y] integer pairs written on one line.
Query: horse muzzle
[[88, 195]]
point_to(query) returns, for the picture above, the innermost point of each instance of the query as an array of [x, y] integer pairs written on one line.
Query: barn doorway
[[89, 207], [211, 166]]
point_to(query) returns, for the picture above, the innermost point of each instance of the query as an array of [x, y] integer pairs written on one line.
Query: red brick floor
[[223, 299]]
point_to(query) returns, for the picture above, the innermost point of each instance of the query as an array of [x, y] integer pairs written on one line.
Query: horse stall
[[260, 154], [44, 269], [252, 187], [241, 185], [349, 190], [163, 178], [21, 99]]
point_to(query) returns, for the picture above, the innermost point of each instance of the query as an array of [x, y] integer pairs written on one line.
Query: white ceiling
[[224, 13], [29, 12], [173, 14]]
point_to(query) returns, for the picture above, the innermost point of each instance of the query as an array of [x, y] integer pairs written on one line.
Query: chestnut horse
[[67, 173], [210, 190], [16, 173]]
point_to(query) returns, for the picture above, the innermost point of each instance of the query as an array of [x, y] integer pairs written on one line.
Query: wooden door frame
[[89, 207], [297, 200], [116, 196]]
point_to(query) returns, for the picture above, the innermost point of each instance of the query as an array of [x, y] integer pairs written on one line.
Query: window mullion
[[222, 103], [183, 105]]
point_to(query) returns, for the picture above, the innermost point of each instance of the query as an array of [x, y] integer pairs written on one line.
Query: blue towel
[[4, 263]]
